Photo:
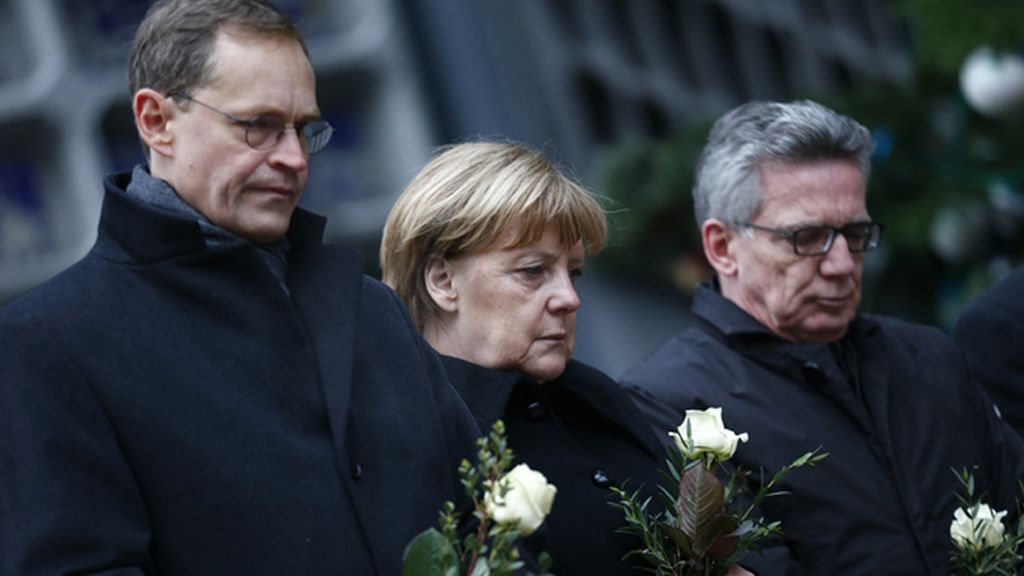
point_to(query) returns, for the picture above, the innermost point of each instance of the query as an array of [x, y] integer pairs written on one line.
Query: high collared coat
[[166, 408], [585, 435], [883, 500]]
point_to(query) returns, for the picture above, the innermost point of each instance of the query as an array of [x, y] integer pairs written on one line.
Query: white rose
[[527, 502], [982, 530], [707, 435]]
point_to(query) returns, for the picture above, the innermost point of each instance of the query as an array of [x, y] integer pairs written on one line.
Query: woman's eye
[[575, 273], [532, 270]]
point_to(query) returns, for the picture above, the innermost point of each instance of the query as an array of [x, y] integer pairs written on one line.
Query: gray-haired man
[[778, 343]]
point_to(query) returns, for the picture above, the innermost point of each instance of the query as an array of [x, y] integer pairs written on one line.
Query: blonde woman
[[485, 246]]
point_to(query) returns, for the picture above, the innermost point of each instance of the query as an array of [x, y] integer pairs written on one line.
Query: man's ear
[[441, 284], [718, 239], [153, 115]]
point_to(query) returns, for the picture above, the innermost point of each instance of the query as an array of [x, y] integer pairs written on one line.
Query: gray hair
[[173, 44], [727, 184]]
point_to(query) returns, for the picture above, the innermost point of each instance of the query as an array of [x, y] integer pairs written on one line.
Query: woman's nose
[[564, 299]]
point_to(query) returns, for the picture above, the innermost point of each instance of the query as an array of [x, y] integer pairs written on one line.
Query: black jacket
[[584, 434], [991, 334], [168, 409], [883, 501]]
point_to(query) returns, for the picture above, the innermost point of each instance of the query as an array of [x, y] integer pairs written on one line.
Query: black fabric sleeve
[[68, 501]]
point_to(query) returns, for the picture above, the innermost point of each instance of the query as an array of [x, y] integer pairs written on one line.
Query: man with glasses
[[777, 342], [211, 390]]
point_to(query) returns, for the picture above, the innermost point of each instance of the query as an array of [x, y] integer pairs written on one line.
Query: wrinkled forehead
[[820, 190]]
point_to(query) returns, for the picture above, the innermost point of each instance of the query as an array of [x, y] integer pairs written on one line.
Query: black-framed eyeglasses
[[818, 240], [265, 131]]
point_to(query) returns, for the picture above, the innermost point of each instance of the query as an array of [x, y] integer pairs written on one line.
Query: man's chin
[[264, 232], [828, 331]]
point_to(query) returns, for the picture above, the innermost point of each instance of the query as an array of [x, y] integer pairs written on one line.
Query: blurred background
[[620, 92]]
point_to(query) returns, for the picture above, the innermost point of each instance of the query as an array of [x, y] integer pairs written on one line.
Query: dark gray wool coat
[[166, 408]]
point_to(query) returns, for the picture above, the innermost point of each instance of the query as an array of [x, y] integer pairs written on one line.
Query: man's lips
[[279, 191], [834, 301], [275, 189]]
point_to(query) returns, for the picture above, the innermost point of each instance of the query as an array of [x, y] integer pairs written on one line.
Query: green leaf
[[680, 538], [545, 561], [425, 555], [481, 568]]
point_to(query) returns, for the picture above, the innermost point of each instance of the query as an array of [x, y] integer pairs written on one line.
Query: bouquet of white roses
[[705, 528], [506, 506], [981, 543]]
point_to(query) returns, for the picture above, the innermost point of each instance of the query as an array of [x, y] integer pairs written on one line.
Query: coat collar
[[487, 393], [325, 281], [812, 363], [131, 230], [735, 323]]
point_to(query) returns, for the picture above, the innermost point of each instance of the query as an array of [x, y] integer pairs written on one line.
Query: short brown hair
[[466, 199], [172, 47]]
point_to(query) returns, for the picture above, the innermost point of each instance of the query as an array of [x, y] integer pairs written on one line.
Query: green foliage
[[1002, 560], [933, 173], [706, 525], [947, 30], [488, 550], [652, 233], [429, 553]]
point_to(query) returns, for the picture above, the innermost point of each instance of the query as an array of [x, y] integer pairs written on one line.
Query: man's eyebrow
[[268, 110]]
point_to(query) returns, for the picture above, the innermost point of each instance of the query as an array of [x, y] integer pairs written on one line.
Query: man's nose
[[289, 151], [839, 260]]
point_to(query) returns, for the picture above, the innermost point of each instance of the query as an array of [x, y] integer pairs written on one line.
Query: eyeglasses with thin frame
[[265, 131], [818, 240]]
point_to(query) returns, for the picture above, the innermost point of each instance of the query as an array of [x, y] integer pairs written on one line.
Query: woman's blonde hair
[[470, 196]]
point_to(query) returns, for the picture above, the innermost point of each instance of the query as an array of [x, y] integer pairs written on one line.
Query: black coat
[[585, 435], [991, 334], [883, 500], [167, 409]]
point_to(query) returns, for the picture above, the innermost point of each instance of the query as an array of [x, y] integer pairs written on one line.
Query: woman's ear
[[718, 239], [440, 281], [153, 117]]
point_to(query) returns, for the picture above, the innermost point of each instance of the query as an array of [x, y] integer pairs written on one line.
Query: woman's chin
[[545, 369]]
